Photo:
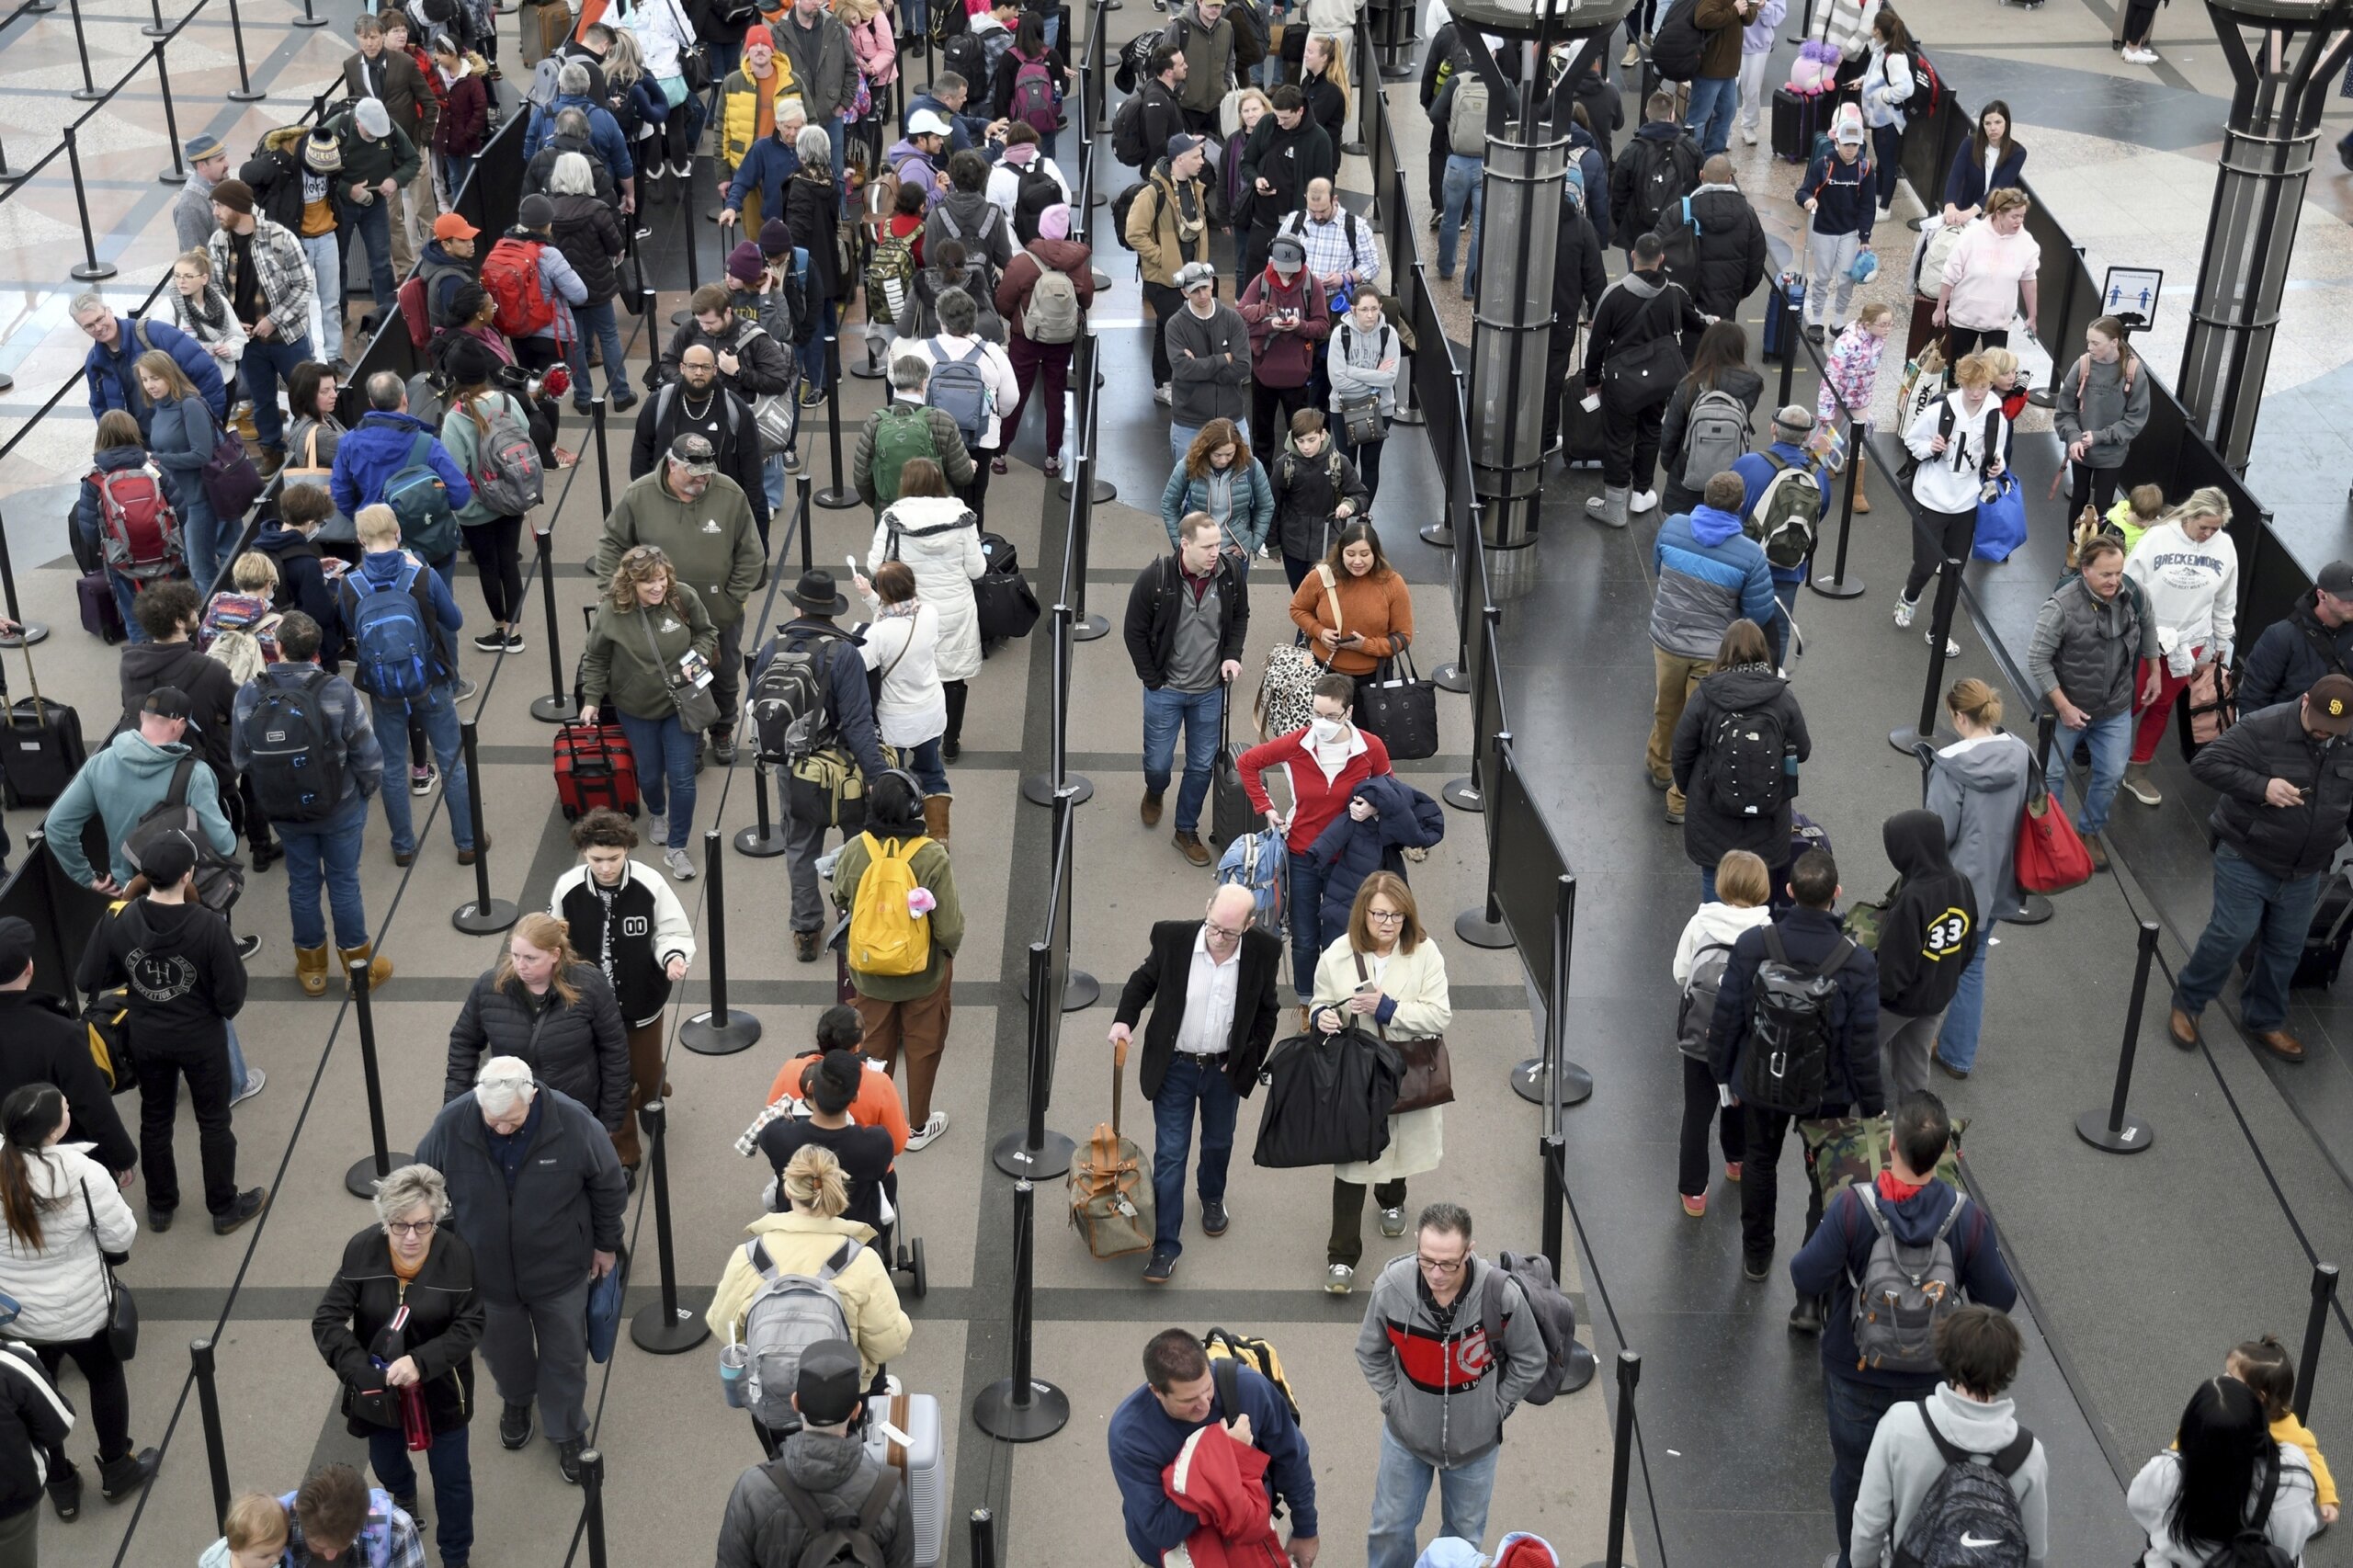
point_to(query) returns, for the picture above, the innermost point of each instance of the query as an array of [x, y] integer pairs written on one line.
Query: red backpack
[[136, 524], [414, 314], [510, 275]]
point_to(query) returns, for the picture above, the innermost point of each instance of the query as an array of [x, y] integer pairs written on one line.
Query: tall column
[[2286, 56]]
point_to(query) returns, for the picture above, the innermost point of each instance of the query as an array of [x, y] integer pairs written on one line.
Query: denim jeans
[[266, 362], [923, 761], [328, 849], [664, 751], [1957, 1037], [2111, 742], [374, 225], [1306, 923], [237, 1074], [453, 1485], [1714, 101], [1196, 713], [1180, 441], [1400, 1487], [1853, 1409], [201, 533], [2248, 902], [598, 320], [1464, 192], [1192, 1080], [438, 713], [1785, 596], [326, 274], [772, 484], [813, 352], [455, 167]]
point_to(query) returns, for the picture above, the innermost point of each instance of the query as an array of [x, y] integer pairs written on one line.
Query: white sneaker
[[682, 868], [1160, 395], [1904, 611], [1952, 649], [930, 1132], [1641, 501], [1748, 135], [2140, 787], [255, 1080], [1339, 1279], [657, 829]]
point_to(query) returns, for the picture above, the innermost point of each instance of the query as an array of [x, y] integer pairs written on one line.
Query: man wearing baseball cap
[[208, 165], [826, 1458], [1807, 501], [447, 263], [2315, 639], [2285, 780], [1208, 348], [378, 159], [42, 1042], [1168, 226], [127, 780]]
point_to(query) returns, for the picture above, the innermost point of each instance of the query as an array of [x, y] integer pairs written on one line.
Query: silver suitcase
[[921, 1466]]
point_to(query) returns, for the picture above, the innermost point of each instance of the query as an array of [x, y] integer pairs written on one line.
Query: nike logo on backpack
[[1973, 1542]]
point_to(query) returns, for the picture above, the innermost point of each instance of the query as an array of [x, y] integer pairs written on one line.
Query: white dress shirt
[[1208, 999]]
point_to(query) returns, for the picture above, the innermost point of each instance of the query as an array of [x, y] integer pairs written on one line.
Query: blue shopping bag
[[2001, 522]]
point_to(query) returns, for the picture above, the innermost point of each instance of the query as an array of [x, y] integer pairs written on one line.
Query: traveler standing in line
[[537, 1194], [183, 983], [697, 403], [1445, 1391], [813, 200], [34, 1417], [821, 1101], [1737, 748], [1168, 228], [1792, 432], [589, 234], [403, 622], [122, 783], [1977, 786], [1362, 363], [1990, 160], [1637, 193], [1384, 975], [1577, 278], [540, 1004], [939, 539], [1035, 322], [908, 1012], [1729, 257], [1711, 575], [2225, 1474], [1742, 898], [1719, 365], [1208, 1037], [1188, 615], [1461, 108], [1757, 37], [2103, 404], [116, 448], [2187, 571], [402, 1314], [1988, 274], [2139, 21], [902, 645], [493, 537], [648, 631], [2286, 783], [1204, 35], [2313, 639], [2091, 636], [1317, 493], [66, 1225], [827, 1460], [956, 356], [1285, 309], [1634, 314], [906, 428], [1715, 91], [1208, 349], [208, 165], [1863, 1377], [817, 49], [1176, 1401], [266, 275], [1887, 86], [1353, 609], [180, 441], [42, 1042], [198, 307], [1281, 158], [1958, 442], [1928, 936], [1837, 193]]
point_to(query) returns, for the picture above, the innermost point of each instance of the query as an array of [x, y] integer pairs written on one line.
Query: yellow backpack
[[885, 936]]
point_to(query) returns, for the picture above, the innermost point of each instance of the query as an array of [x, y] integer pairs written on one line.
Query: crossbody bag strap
[[1362, 977], [105, 1270], [654, 649], [1331, 593]]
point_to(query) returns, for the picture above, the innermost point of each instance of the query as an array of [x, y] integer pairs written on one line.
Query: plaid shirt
[[389, 1538], [1328, 250], [283, 275]]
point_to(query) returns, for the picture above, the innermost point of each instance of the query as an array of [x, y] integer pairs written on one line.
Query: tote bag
[[2050, 857], [2001, 522], [1401, 709]]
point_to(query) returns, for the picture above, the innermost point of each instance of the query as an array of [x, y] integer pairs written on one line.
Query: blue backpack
[[388, 636], [421, 501], [1257, 861]]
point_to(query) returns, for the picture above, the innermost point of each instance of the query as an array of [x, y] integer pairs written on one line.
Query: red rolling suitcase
[[593, 768]]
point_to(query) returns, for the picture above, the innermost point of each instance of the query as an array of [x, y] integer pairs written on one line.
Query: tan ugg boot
[[310, 970], [379, 971], [934, 815], [1862, 472]]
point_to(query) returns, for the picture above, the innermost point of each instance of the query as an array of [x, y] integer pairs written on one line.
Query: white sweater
[[1712, 925], [59, 1285], [1950, 482], [1904, 1462], [2192, 585], [2294, 1514]]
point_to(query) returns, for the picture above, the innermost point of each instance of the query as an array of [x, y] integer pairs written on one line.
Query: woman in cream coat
[[938, 538], [1400, 994]]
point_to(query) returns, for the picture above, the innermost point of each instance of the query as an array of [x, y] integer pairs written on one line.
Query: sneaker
[[1757, 1270], [1163, 1264], [567, 1458], [1805, 1316], [1632, 56], [1732, 1170], [1747, 136], [492, 642], [1696, 1207], [623, 400], [1814, 334], [2140, 787], [566, 457], [657, 828], [1160, 395], [248, 945], [421, 778], [250, 1202], [1952, 649], [682, 867], [514, 638], [930, 1132], [1215, 1221], [465, 688], [255, 1081], [514, 1425], [1904, 610], [723, 748], [1339, 1279], [813, 395], [1641, 501], [1392, 1222]]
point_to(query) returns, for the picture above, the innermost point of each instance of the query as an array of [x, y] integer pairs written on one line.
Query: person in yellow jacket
[[2263, 1365], [749, 110]]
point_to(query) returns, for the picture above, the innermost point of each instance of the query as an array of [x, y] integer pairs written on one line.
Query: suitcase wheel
[[911, 1263]]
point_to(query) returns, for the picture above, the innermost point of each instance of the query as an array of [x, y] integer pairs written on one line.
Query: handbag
[[1110, 1195], [691, 63], [1401, 709], [1428, 1079], [698, 709], [1361, 423], [2001, 522], [123, 1308], [2050, 857], [231, 480]]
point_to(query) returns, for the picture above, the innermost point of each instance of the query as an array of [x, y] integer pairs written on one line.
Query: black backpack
[[1035, 192], [297, 759], [1787, 1065], [790, 701], [219, 877], [965, 56], [1676, 46], [1969, 1516], [1744, 759], [1126, 133], [1664, 171], [1120, 205], [837, 1538]]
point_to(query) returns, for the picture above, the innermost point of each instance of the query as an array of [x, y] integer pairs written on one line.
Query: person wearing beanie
[[1788, 453], [1289, 319], [1052, 251], [42, 1042], [534, 217], [753, 109], [376, 159], [775, 240], [266, 277], [208, 164]]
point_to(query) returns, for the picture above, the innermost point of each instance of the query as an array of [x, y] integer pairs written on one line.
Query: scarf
[[209, 309], [606, 897]]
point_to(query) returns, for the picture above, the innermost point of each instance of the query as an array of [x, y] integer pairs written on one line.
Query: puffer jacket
[[1711, 827], [1978, 789], [578, 1047], [274, 174], [531, 1237], [445, 1323], [58, 1284], [585, 233], [939, 540], [1307, 491], [1730, 257], [740, 111], [377, 448], [2282, 841], [1246, 526], [1349, 850], [2090, 648], [1930, 929], [1444, 1390], [2291, 654], [1709, 574], [760, 1527], [796, 1243]]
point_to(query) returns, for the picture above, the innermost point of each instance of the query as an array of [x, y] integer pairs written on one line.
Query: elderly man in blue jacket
[[1758, 470], [1711, 574], [605, 137], [379, 449], [1179, 1397], [116, 343]]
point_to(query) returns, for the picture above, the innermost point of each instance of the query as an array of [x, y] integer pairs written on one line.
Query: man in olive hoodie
[[1928, 934], [703, 521]]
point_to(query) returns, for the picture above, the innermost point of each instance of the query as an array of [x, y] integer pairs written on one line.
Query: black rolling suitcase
[[1005, 605], [1229, 813], [1798, 118], [41, 745]]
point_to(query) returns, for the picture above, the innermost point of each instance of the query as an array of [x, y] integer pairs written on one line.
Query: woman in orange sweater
[[1355, 609]]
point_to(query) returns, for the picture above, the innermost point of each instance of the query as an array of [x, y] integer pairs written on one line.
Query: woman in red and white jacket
[[1324, 762]]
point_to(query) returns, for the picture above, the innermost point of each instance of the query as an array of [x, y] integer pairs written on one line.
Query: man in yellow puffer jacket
[[748, 110]]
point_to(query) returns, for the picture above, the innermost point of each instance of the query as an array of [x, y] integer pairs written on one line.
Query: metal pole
[[556, 707], [89, 269], [592, 1482], [2114, 1130], [156, 28], [665, 1328], [244, 93], [361, 1178], [1022, 1409], [808, 523], [1468, 793], [1791, 322], [2308, 1364], [837, 497], [1621, 1455], [764, 840], [308, 20], [87, 93], [207, 1404], [1036, 1150], [1533, 1080], [717, 1032], [1911, 738], [604, 458], [178, 172], [984, 1540], [33, 630], [485, 916], [1839, 585], [1084, 628]]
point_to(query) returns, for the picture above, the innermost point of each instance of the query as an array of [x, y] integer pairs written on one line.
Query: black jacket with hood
[[1711, 828], [1807, 936], [1929, 931], [41, 1042], [351, 1329], [2293, 654], [578, 1047], [303, 584], [1307, 491], [1729, 256], [211, 695], [181, 967]]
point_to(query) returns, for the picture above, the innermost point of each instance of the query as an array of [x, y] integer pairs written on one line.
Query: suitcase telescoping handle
[[40, 709], [1119, 1082]]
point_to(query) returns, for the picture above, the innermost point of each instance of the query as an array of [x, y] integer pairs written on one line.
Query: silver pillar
[[2284, 71]]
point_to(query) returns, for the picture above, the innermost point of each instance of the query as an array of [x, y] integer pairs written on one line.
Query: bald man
[[1214, 1016]]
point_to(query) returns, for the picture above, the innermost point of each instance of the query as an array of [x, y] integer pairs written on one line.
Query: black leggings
[[2093, 487], [1936, 536], [956, 692], [109, 1396], [497, 547], [1701, 1104], [2140, 20], [1963, 341]]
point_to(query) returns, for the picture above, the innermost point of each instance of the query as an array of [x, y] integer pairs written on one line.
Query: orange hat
[[452, 226], [758, 33]]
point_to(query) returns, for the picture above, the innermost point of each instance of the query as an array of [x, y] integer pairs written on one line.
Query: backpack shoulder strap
[[1225, 1372], [2006, 1461], [757, 1255], [420, 448], [1838, 958], [879, 1498], [178, 794], [1773, 948], [1869, 1198], [844, 1256], [804, 1507], [1952, 1453], [1952, 1216]]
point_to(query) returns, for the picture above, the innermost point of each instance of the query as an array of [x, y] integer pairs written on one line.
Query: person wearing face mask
[[2103, 403], [2286, 781], [2187, 568]]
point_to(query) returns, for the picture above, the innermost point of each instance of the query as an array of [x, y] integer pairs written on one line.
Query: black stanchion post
[[837, 497], [89, 269], [2033, 907], [1042, 789], [1084, 626], [1469, 793], [808, 523], [244, 93], [2115, 1130], [207, 1407], [765, 839], [1791, 323], [604, 458], [685, 313], [1621, 1457], [1036, 1150], [1080, 989], [1912, 737], [361, 1178], [178, 172], [556, 707], [984, 1540], [2308, 1364], [307, 19], [7, 174], [485, 916], [592, 1482], [1839, 585], [1086, 372], [664, 1328], [1531, 1080], [720, 1031], [32, 630], [1022, 1408], [156, 28], [87, 93]]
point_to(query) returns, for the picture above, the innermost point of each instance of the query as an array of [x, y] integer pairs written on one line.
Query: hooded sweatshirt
[[1709, 574], [303, 583], [2191, 586], [1284, 358], [212, 692], [1353, 364], [1713, 925], [1444, 1390], [712, 542], [120, 785], [1905, 1462], [2096, 400], [1977, 788], [1712, 826], [180, 967], [1834, 1258], [760, 1526], [1930, 928]]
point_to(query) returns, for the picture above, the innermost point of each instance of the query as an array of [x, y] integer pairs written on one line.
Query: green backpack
[[902, 432]]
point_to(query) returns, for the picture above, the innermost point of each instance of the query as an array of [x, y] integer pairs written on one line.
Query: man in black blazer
[[1208, 1034]]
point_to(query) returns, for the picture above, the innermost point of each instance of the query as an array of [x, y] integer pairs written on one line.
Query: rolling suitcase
[[903, 1433], [42, 745], [594, 768], [1229, 813], [101, 617], [1797, 116]]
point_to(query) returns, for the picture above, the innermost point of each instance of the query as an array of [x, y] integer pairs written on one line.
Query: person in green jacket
[[906, 1011], [703, 522], [649, 623]]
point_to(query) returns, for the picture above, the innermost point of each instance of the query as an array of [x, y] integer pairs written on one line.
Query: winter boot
[[65, 1492], [1608, 508], [379, 971], [119, 1478], [934, 815], [311, 970]]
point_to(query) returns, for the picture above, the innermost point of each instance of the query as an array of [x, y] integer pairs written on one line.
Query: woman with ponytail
[[1978, 785]]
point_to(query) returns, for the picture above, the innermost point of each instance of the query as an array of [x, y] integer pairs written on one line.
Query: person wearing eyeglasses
[[1211, 985], [399, 1324]]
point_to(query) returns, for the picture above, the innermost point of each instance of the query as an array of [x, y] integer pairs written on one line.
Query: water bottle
[[1788, 773], [734, 1364]]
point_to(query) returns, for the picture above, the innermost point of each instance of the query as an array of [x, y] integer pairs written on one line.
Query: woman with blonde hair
[[181, 437], [649, 632], [1958, 440], [811, 1237], [1978, 785], [1220, 477], [1324, 83], [1987, 276], [2187, 571], [545, 1005], [1739, 895]]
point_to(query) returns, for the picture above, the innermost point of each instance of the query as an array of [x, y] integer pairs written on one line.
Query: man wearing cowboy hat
[[811, 640]]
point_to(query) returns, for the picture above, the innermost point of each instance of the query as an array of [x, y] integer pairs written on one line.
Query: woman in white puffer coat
[[936, 536], [63, 1211]]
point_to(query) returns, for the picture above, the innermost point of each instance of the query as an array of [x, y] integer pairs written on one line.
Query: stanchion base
[[864, 372], [1438, 536], [360, 1179], [1087, 627], [34, 631], [1463, 795], [1045, 1412], [1399, 73], [835, 500], [1450, 676], [2034, 909], [1080, 991], [486, 920], [87, 95], [173, 177], [1039, 788], [1102, 492], [310, 21], [1582, 1365], [245, 97], [758, 845], [1412, 418], [1473, 927], [667, 1333], [91, 272], [1908, 740], [150, 30], [1527, 1082], [554, 709], [1837, 587], [1050, 1159], [2131, 1139], [705, 1036]]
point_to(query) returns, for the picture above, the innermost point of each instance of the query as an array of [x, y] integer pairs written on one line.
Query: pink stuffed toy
[[1815, 67]]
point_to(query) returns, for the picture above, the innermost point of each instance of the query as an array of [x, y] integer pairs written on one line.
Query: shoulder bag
[[123, 1309], [1401, 709], [1428, 1077], [2050, 857], [698, 709]]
